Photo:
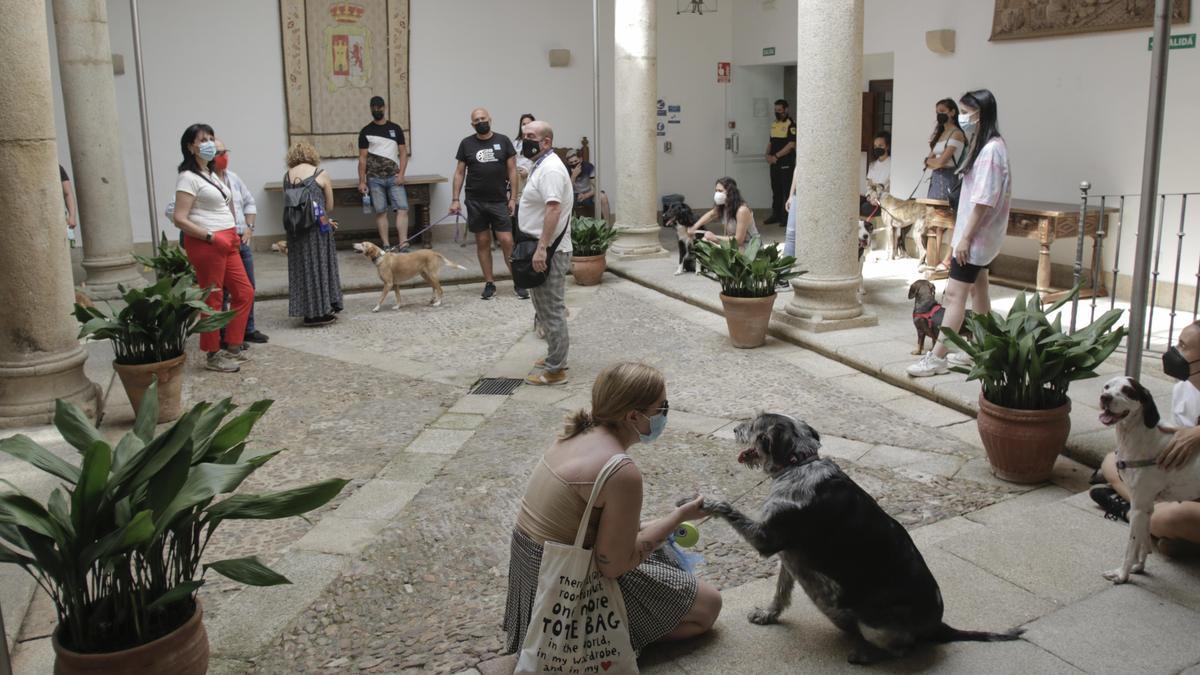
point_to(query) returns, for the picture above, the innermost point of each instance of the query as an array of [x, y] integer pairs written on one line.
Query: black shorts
[[967, 273], [484, 216]]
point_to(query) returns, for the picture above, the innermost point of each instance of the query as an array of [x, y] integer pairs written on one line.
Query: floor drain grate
[[496, 386]]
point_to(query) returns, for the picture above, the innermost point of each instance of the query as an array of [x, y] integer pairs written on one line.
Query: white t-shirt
[[549, 182], [880, 171], [1185, 404], [210, 209], [988, 182]]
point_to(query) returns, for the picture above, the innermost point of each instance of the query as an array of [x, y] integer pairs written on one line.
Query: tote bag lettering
[[579, 623]]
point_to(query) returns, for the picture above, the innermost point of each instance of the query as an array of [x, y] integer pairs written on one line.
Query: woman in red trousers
[[203, 212]]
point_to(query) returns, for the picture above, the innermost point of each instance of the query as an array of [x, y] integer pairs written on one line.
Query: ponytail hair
[[618, 389]]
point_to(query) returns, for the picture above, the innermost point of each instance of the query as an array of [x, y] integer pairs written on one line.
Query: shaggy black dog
[[680, 216]]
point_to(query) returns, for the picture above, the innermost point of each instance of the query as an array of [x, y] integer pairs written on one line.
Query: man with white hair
[[546, 215]]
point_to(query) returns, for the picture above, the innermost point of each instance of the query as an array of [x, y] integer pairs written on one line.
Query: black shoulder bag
[[524, 276]]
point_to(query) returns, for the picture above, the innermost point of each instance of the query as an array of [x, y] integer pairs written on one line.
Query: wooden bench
[[1027, 219], [346, 195]]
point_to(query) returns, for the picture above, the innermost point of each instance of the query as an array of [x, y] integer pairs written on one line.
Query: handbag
[[521, 260], [578, 623]]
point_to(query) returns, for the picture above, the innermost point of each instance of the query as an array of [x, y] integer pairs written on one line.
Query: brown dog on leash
[[927, 314], [397, 267]]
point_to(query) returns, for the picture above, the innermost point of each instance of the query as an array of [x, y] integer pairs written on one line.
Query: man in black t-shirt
[[382, 160], [488, 162]]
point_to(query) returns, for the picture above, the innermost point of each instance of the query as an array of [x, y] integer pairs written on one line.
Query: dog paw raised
[[762, 617], [1117, 576], [683, 500], [716, 508]]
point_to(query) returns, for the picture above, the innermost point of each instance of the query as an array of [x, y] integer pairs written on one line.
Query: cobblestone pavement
[[426, 593]]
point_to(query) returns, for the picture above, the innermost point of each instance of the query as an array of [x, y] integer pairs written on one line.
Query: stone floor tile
[[978, 469], [478, 404], [501, 665], [339, 536], [886, 351], [726, 432], [925, 411], [1056, 552], [967, 432], [33, 657], [696, 424], [914, 460], [1129, 630], [815, 364], [868, 387], [16, 591], [962, 392], [1091, 447], [541, 395], [1018, 507], [930, 535], [843, 448], [469, 671], [576, 402], [978, 600], [440, 441], [413, 468], [254, 617], [458, 421], [378, 500], [1071, 475]]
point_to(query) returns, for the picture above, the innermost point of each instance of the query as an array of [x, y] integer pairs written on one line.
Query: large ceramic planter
[[183, 651], [137, 379], [588, 269], [747, 319], [1022, 445]]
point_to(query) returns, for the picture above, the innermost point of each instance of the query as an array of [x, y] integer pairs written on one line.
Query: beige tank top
[[552, 508]]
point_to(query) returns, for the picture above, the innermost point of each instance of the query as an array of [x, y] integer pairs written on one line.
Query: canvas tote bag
[[579, 623]]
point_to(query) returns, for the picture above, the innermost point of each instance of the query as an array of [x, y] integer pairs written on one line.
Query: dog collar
[[377, 258], [927, 315], [1135, 463]]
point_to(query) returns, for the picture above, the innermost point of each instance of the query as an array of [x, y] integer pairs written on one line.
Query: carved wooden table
[[346, 195], [1027, 219]]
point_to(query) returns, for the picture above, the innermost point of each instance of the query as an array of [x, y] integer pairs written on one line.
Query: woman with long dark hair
[[981, 222], [946, 146], [731, 211], [204, 214]]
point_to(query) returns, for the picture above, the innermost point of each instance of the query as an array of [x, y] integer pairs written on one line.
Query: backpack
[[300, 200]]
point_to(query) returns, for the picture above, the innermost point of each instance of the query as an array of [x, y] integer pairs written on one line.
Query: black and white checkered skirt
[[657, 594]]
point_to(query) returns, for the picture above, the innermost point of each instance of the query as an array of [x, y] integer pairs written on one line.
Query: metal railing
[[1166, 313]]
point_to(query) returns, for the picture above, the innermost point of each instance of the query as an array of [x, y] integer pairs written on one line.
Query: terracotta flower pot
[[748, 319], [588, 269], [183, 651], [136, 379], [1022, 445]]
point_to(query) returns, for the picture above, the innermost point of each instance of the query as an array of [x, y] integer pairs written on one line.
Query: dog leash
[[879, 206], [437, 222]]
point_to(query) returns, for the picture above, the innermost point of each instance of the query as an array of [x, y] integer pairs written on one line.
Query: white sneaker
[[240, 356], [960, 359], [220, 363], [927, 366]]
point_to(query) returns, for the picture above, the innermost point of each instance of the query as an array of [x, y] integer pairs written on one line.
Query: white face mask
[[719, 198], [968, 125]]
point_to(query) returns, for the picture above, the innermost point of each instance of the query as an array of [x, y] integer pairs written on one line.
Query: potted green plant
[[170, 262], [1025, 363], [118, 544], [149, 333], [590, 239], [748, 280]]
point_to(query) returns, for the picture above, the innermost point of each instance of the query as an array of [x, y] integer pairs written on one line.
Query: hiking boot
[[547, 378], [521, 293], [257, 336], [489, 289], [927, 366], [239, 355], [218, 362], [1115, 506]]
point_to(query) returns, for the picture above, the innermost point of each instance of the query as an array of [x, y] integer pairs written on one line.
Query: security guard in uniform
[[781, 155]]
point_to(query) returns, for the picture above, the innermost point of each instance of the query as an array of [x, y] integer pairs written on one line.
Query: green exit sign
[[770, 51], [1185, 41]]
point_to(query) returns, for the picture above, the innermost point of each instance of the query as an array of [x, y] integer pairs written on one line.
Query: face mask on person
[[719, 198], [207, 150], [942, 118], [878, 153], [657, 424], [482, 128], [781, 116], [531, 148], [1176, 365], [221, 161], [966, 123], [377, 115]]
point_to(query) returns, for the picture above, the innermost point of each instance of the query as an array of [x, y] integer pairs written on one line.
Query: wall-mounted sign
[[660, 129], [1183, 41], [768, 51], [723, 72]]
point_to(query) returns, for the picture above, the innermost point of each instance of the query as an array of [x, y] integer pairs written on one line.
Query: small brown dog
[[397, 267], [927, 314]]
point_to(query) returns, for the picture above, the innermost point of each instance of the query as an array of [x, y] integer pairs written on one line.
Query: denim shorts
[[385, 192]]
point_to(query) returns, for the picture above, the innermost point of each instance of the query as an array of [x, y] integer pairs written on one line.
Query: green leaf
[[165, 486], [22, 447], [236, 430], [203, 483], [272, 505], [93, 479], [249, 571], [138, 531], [24, 512], [74, 426], [8, 555], [147, 414], [184, 590], [60, 509], [127, 450]]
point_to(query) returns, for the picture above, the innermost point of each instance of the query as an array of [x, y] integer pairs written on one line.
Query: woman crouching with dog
[[664, 602], [731, 211]]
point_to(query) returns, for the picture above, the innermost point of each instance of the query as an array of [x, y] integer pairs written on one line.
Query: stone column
[[40, 359], [636, 90], [827, 159], [90, 102]]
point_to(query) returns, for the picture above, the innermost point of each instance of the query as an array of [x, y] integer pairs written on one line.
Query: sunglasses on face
[[665, 408], [574, 165]]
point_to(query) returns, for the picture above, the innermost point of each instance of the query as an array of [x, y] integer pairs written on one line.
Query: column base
[[103, 275], [28, 389], [820, 324], [821, 304], [637, 242]]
